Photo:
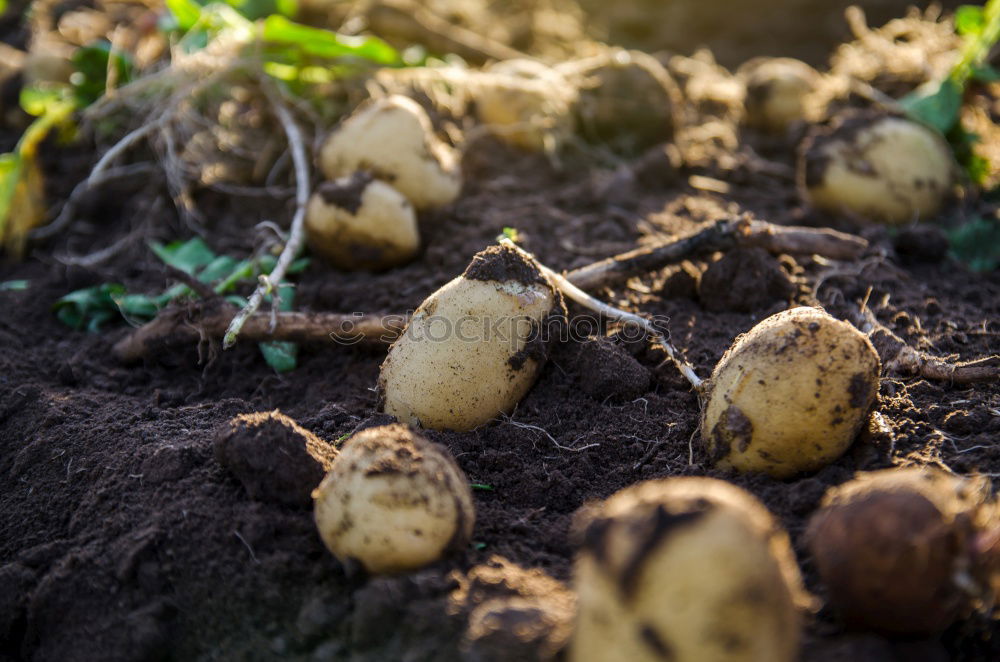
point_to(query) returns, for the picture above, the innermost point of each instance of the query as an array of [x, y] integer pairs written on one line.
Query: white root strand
[[296, 234], [574, 293]]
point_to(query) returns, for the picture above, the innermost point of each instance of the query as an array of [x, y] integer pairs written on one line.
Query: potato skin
[[627, 99], [889, 544], [686, 569], [358, 222], [790, 395], [465, 355], [885, 169], [393, 501], [533, 112], [777, 92], [393, 139]]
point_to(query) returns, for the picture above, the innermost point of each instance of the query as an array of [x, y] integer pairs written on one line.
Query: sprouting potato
[[685, 569], [393, 501], [359, 222], [392, 138], [474, 347], [778, 92], [527, 106], [882, 168], [907, 551], [626, 98], [790, 395]]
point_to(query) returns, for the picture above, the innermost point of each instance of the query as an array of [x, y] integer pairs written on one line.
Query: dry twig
[[901, 359]]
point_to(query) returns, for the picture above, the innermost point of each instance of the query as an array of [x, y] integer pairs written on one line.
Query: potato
[[525, 105], [393, 501], [392, 138], [882, 168], [627, 98], [687, 570], [899, 549], [790, 395], [474, 347], [778, 92], [359, 222]]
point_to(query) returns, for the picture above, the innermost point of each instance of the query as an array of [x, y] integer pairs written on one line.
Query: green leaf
[[326, 44], [187, 13], [985, 73], [282, 356], [935, 104], [188, 256], [977, 243], [482, 486], [9, 285], [969, 19], [89, 307], [93, 63], [137, 305], [218, 269]]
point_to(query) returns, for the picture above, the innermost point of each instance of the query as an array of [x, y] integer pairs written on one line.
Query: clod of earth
[[274, 458]]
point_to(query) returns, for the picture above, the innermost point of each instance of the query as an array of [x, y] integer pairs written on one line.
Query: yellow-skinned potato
[[359, 222], [687, 570], [886, 169], [393, 501], [471, 350], [393, 139], [626, 98], [778, 92], [527, 106], [790, 395]]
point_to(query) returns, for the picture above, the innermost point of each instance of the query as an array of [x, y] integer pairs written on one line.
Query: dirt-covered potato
[[393, 139], [880, 168], [626, 98], [393, 501], [790, 395], [778, 92], [474, 347], [525, 105], [359, 222], [901, 550], [687, 570]]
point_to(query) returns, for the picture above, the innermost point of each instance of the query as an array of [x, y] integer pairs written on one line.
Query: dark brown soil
[[122, 538]]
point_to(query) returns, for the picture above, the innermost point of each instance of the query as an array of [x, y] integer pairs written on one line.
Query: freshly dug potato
[[393, 139], [627, 98], [359, 222], [790, 395], [526, 106], [474, 347], [687, 570], [393, 501], [778, 92], [881, 168], [900, 549]]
